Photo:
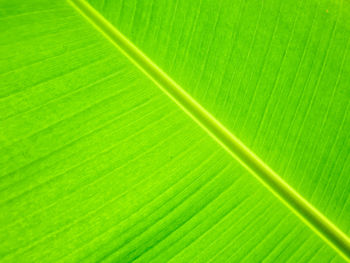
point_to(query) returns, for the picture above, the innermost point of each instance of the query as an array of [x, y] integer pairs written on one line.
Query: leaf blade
[[264, 70], [57, 220]]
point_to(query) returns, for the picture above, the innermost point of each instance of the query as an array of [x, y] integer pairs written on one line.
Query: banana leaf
[[98, 164]]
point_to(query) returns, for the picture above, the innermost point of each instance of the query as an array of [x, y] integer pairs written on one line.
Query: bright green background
[[96, 163], [276, 73]]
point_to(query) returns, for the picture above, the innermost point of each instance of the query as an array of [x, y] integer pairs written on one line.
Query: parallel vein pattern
[[275, 73], [96, 164], [335, 237]]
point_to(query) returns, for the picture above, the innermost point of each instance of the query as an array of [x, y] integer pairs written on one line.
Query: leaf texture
[[277, 74], [97, 164]]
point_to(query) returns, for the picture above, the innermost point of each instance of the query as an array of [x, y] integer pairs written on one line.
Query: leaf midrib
[[286, 194]]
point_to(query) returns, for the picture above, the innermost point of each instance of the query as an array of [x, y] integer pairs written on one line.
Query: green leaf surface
[[276, 73], [98, 164]]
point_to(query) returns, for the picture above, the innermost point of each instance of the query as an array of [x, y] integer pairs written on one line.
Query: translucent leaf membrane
[[276, 73], [97, 164]]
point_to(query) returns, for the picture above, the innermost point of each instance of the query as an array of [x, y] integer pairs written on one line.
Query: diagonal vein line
[[330, 233]]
